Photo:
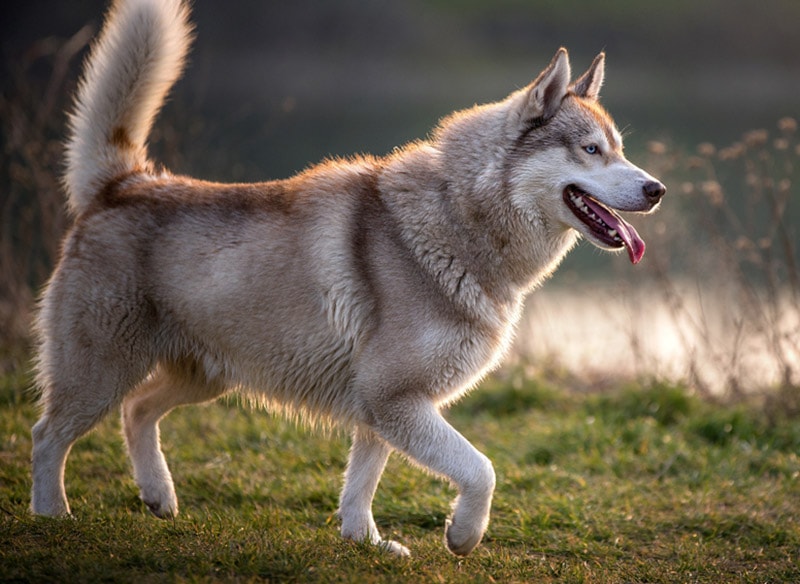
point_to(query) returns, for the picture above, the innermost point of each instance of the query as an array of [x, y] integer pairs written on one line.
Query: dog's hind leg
[[368, 456], [96, 333], [53, 436], [414, 426], [170, 386], [73, 402]]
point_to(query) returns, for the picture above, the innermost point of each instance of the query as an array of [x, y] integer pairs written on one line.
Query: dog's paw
[[66, 516], [461, 540], [160, 510], [363, 529], [54, 508], [394, 548], [162, 504]]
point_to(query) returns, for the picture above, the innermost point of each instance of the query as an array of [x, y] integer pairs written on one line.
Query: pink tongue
[[633, 242]]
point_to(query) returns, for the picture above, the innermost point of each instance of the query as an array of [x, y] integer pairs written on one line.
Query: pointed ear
[[589, 84], [543, 97]]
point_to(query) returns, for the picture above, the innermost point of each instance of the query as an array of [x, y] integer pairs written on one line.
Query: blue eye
[[592, 149]]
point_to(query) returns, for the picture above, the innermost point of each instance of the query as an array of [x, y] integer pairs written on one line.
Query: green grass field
[[643, 484]]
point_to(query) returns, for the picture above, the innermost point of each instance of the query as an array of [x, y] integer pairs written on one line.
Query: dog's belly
[[270, 341], [289, 351]]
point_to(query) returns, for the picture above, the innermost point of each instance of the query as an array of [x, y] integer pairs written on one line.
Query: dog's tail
[[137, 58]]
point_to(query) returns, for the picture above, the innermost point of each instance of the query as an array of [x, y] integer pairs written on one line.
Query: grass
[[642, 484]]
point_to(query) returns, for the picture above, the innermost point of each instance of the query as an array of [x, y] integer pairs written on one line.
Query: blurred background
[[706, 93], [274, 85]]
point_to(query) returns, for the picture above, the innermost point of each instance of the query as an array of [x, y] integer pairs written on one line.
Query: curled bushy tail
[[137, 58]]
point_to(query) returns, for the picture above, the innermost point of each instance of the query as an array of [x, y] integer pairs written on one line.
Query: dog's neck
[[492, 256]]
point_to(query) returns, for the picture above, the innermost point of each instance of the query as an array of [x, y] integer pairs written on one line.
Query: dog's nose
[[654, 190]]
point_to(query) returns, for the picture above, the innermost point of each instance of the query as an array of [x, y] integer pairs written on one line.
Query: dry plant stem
[[32, 210]]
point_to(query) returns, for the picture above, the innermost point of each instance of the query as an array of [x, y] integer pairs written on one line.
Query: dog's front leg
[[368, 456], [414, 427]]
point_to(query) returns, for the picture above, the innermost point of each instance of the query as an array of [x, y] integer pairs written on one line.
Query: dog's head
[[554, 154], [567, 164]]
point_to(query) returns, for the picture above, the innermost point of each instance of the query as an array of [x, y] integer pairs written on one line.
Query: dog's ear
[[588, 85], [543, 97]]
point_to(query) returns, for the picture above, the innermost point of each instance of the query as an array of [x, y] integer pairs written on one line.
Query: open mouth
[[604, 224]]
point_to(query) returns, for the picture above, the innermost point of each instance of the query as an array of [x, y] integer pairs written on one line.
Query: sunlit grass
[[640, 483]]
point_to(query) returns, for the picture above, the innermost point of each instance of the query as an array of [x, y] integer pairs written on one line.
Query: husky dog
[[369, 292]]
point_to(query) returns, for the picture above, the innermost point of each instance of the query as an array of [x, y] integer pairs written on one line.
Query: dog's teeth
[[612, 232]]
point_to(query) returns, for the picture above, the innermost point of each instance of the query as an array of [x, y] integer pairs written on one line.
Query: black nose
[[654, 190]]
